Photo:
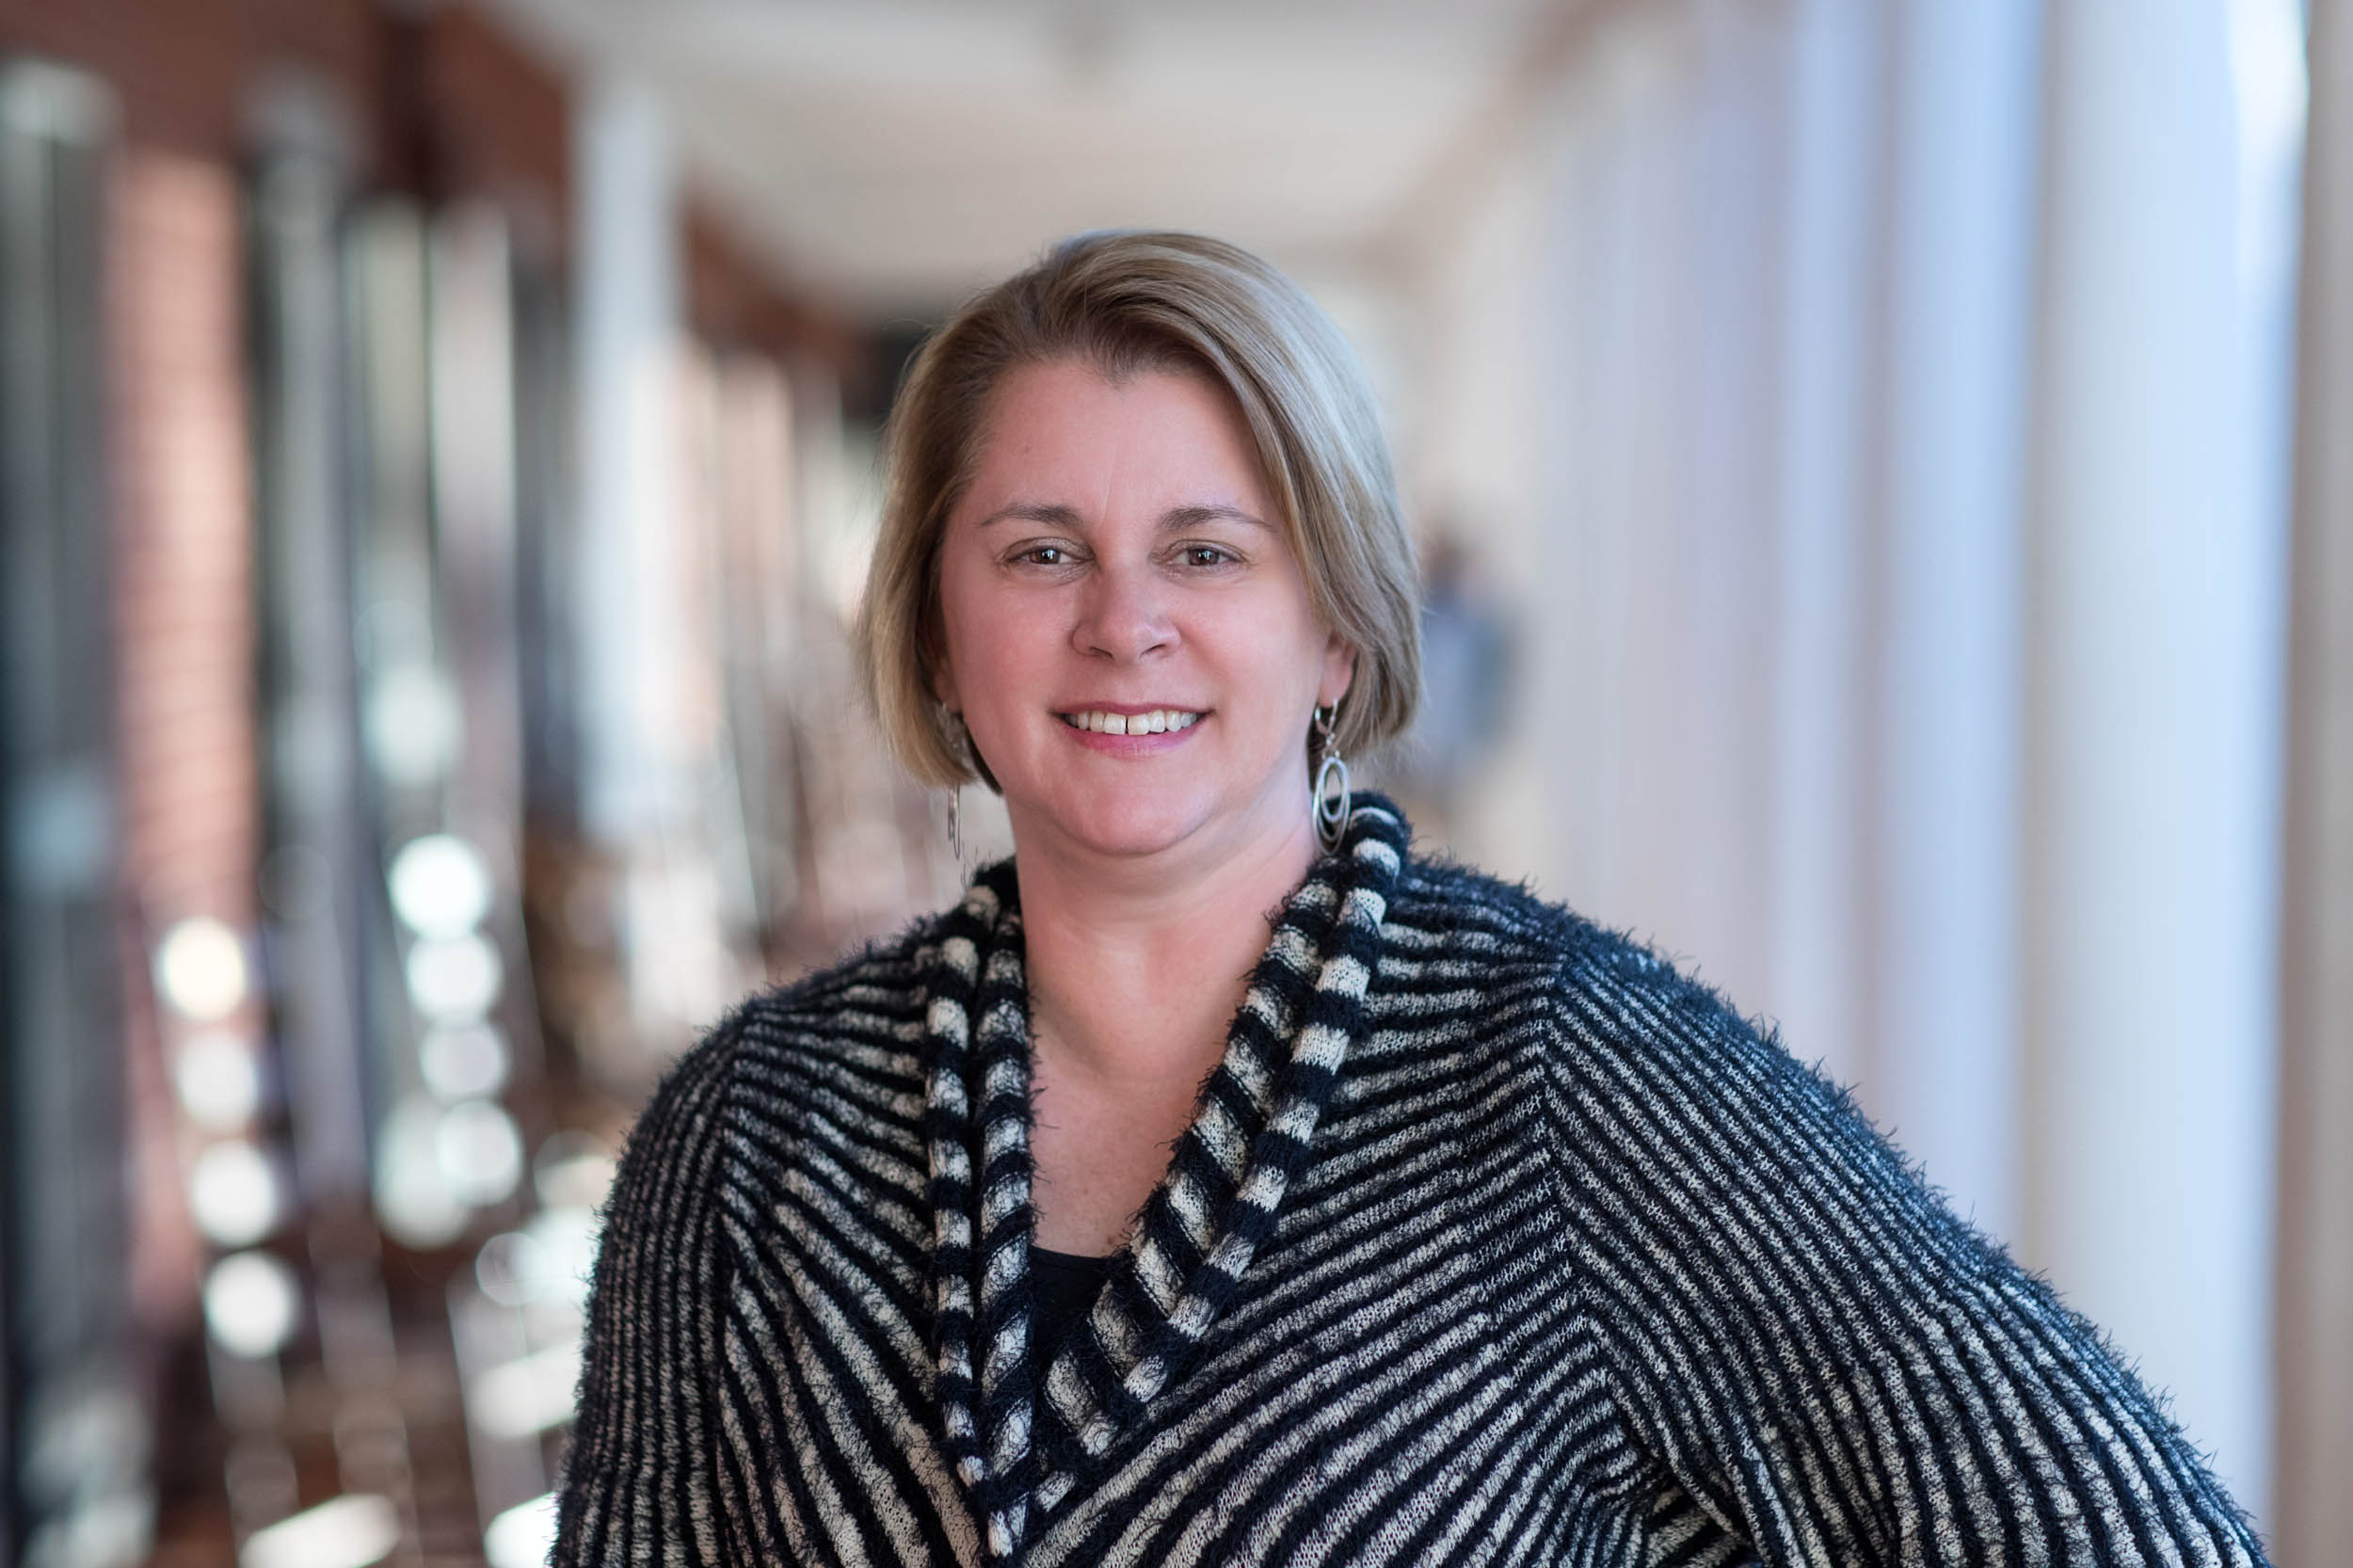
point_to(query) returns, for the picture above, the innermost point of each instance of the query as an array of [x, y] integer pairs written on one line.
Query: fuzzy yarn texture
[[1494, 1240]]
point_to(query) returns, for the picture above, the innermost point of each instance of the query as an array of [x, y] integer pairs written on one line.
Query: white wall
[[1900, 561]]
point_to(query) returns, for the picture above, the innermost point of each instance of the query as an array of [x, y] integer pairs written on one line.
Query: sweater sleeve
[[638, 1482], [1819, 1353]]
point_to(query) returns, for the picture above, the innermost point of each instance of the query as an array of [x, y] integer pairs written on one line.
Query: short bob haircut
[[1125, 303]]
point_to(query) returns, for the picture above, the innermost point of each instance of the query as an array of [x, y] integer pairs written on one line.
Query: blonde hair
[[1124, 303]]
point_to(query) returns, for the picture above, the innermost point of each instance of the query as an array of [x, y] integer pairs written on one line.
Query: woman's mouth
[[1154, 722]]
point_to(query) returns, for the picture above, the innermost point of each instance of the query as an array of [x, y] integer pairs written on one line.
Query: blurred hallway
[[1889, 541]]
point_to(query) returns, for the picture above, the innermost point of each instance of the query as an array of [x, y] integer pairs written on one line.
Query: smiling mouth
[[1153, 723]]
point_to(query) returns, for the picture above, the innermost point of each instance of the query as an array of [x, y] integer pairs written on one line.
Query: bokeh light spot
[[462, 1062], [251, 1303], [233, 1195], [481, 1153], [441, 885], [201, 970], [219, 1081], [454, 978]]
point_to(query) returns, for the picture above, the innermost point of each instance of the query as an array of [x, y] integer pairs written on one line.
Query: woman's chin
[[1128, 823]]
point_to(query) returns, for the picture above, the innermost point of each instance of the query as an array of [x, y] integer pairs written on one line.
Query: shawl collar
[[1020, 1443]]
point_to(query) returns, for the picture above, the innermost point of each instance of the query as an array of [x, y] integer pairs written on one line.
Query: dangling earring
[[955, 790], [1331, 811]]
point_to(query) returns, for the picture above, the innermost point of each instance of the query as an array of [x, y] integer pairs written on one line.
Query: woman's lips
[[1140, 733], [1131, 721]]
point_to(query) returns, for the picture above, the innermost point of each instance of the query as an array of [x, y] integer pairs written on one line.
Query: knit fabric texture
[[1494, 1239]]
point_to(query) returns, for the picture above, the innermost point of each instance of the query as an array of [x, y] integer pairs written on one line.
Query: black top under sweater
[[1063, 1285], [1494, 1240]]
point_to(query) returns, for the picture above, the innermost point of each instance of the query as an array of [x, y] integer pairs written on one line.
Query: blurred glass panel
[[334, 966], [313, 806], [74, 1442]]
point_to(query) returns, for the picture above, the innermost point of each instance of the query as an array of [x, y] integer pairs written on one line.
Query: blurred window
[[74, 1442]]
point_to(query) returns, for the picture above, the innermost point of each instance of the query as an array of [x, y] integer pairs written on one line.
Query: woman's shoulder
[[1439, 903], [1440, 906], [1611, 1013], [864, 1009], [1653, 1079], [1649, 1082], [1755, 1258], [881, 976]]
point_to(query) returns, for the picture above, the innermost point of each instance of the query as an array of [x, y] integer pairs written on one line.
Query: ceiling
[[896, 153]]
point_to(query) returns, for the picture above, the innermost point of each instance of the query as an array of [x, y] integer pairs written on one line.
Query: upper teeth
[[1152, 723]]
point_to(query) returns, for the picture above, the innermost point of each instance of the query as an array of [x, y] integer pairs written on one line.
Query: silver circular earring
[[1330, 808]]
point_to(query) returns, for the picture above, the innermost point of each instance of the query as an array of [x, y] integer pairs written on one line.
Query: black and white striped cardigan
[[1494, 1240]]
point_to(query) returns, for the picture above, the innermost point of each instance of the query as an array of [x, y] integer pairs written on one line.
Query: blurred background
[[1885, 471]]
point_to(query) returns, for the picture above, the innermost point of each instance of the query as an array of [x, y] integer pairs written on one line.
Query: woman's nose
[[1123, 615]]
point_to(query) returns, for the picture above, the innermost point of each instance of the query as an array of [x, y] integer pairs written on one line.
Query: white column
[[2312, 1514], [1564, 638], [1620, 484], [473, 483], [1958, 325], [1818, 929], [645, 635], [1723, 439], [2155, 696], [627, 317]]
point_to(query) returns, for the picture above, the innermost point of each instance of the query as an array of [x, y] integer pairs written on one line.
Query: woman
[[1203, 1191]]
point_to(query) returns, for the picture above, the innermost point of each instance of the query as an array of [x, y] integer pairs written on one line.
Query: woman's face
[[1116, 564]]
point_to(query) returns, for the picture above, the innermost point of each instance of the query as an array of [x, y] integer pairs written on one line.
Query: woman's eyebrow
[[1190, 517], [1053, 513], [1056, 515]]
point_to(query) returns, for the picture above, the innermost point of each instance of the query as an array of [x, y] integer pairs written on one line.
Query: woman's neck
[[1135, 969], [1135, 965]]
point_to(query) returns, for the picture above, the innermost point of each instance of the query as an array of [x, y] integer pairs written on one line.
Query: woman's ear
[[1339, 671], [941, 678]]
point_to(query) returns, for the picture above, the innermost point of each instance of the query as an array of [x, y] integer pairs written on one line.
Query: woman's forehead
[[1063, 435]]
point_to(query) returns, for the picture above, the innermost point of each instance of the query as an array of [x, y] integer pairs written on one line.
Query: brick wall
[[184, 654]]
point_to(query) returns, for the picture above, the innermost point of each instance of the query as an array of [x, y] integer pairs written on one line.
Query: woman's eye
[[1206, 555], [1046, 555]]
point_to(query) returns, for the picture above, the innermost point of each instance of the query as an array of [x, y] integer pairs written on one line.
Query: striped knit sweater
[[1493, 1240]]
